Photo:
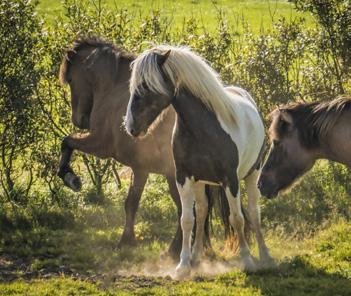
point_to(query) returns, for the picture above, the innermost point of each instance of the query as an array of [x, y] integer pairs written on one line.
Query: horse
[[218, 139], [302, 133], [98, 74]]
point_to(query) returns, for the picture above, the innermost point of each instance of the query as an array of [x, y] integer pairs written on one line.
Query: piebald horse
[[217, 139]]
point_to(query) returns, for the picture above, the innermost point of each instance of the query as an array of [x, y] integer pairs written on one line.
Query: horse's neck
[[336, 143], [114, 91], [194, 117], [191, 112]]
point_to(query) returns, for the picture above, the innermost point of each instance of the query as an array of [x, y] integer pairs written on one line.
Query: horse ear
[[161, 58], [286, 116], [274, 113]]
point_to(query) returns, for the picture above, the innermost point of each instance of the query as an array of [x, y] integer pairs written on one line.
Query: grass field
[[317, 266], [256, 13]]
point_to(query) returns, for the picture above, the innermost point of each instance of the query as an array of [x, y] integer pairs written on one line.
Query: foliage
[[277, 65], [20, 33], [332, 40]]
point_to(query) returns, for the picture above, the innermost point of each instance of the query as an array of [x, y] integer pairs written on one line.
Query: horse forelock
[[146, 71], [185, 70]]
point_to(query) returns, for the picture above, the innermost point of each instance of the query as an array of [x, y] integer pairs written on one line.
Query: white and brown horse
[[217, 139]]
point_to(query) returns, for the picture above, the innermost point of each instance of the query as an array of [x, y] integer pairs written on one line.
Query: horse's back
[[249, 132]]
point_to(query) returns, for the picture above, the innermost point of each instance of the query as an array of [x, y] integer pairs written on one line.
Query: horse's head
[[92, 66], [288, 159], [75, 72], [151, 92]]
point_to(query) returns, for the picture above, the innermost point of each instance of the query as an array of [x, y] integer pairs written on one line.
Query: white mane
[[186, 70]]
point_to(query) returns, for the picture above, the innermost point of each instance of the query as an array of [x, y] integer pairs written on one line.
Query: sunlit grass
[[259, 14], [318, 266]]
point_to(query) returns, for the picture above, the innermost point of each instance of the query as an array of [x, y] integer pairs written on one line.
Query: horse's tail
[[230, 234]]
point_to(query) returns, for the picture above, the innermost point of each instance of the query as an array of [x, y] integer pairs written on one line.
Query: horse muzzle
[[267, 190]]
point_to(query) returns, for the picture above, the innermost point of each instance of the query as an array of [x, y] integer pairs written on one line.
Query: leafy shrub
[[282, 64]]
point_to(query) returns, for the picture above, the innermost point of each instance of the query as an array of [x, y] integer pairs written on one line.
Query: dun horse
[[217, 139], [98, 74], [301, 133]]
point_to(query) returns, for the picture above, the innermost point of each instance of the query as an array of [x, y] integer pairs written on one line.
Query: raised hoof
[[248, 264], [73, 182], [183, 271]]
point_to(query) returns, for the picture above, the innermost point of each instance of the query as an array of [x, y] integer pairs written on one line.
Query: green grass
[[256, 13], [72, 251], [317, 266]]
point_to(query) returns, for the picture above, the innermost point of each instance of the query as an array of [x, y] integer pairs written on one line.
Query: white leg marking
[[237, 221], [255, 215], [201, 208], [186, 193]]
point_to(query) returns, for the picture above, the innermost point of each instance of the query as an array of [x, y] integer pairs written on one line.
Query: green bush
[[285, 63]]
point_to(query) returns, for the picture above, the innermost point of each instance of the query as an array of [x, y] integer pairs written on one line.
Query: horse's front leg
[[85, 143], [236, 219], [255, 217], [136, 187], [186, 193]]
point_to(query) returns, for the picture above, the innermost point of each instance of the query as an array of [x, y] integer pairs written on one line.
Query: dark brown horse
[[98, 74], [301, 133]]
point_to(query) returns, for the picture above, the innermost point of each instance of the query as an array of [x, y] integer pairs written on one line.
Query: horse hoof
[[183, 271], [73, 182]]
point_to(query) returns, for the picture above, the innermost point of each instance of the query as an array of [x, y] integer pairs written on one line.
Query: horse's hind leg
[[236, 219], [176, 245], [255, 216], [137, 184]]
